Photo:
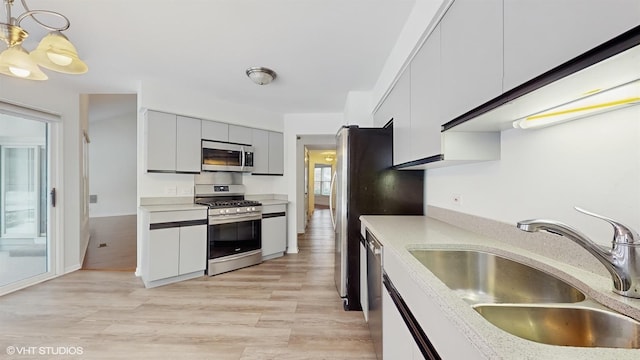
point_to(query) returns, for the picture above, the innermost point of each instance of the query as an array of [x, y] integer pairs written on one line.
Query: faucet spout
[[622, 260], [558, 228]]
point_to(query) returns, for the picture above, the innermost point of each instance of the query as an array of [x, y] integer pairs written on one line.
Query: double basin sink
[[528, 302]]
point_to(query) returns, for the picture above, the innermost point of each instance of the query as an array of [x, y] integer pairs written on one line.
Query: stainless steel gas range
[[234, 227]]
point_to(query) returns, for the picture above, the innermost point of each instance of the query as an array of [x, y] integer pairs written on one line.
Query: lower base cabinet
[[174, 247], [402, 335], [397, 342], [274, 231]]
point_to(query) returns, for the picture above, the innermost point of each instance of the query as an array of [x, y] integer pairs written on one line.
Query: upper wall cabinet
[[539, 35], [395, 106], [399, 99], [173, 143], [188, 149], [215, 131], [276, 153], [383, 115], [471, 55], [268, 156], [425, 99], [240, 134]]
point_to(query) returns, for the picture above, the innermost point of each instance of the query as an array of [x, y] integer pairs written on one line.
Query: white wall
[[112, 168], [49, 97], [592, 163], [294, 125]]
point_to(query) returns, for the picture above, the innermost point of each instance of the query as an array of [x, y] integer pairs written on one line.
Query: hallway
[[286, 308]]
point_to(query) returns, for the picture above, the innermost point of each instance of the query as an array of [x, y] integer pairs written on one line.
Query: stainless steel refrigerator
[[364, 184]]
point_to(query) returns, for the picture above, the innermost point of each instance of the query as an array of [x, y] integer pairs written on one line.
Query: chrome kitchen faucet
[[622, 260]]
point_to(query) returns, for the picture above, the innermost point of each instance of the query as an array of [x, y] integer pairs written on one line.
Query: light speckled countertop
[[398, 234], [269, 199]]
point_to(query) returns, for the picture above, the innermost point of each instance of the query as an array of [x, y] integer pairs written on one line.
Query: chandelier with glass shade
[[54, 52]]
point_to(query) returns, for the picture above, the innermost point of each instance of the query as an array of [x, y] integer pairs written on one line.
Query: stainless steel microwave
[[219, 156]]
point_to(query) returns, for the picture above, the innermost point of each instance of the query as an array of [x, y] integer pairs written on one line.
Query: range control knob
[[238, 210], [228, 211], [253, 208], [248, 209]]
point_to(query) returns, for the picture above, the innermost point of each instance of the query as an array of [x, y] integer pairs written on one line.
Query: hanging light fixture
[[55, 51], [261, 75]]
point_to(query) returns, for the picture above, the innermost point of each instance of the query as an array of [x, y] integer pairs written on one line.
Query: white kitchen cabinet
[[215, 131], [174, 246], [401, 114], [172, 143], [163, 246], [397, 341], [188, 145], [472, 47], [276, 153], [274, 231], [383, 114], [193, 249], [542, 34], [426, 121], [240, 134], [160, 137], [396, 338], [268, 156], [260, 142]]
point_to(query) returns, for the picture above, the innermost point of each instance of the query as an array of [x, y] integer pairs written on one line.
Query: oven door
[[229, 235], [218, 156]]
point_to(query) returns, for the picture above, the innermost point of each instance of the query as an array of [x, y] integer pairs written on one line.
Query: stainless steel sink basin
[[569, 326], [480, 277]]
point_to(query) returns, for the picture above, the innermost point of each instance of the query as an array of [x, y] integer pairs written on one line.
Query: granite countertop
[[398, 234]]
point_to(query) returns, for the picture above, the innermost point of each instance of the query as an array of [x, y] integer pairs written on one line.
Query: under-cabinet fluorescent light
[[595, 103]]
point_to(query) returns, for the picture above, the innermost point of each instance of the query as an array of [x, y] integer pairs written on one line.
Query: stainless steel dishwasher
[[374, 290]]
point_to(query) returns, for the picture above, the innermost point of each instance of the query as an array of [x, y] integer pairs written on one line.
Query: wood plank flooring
[[286, 308], [118, 234]]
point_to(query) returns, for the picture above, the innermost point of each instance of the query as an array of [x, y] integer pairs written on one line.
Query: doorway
[[321, 170], [112, 182]]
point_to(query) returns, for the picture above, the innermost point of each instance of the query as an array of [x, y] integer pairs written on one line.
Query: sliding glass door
[[24, 207]]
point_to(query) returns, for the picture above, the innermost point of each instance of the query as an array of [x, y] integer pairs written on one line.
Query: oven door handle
[[214, 220]]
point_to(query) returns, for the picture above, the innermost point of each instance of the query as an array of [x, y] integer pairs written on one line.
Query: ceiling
[[320, 49]]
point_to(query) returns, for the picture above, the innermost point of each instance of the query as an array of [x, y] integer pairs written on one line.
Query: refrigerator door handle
[[333, 182]]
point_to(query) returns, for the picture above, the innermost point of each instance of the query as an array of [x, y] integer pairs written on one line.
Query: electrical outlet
[[456, 199], [170, 190]]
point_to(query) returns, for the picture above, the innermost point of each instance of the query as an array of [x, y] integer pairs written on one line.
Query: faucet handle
[[622, 234]]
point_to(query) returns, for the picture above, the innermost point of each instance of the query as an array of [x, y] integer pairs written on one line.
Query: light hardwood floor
[[117, 234], [286, 308]]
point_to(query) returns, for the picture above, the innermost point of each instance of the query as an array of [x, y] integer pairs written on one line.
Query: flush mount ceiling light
[[261, 75], [55, 51]]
